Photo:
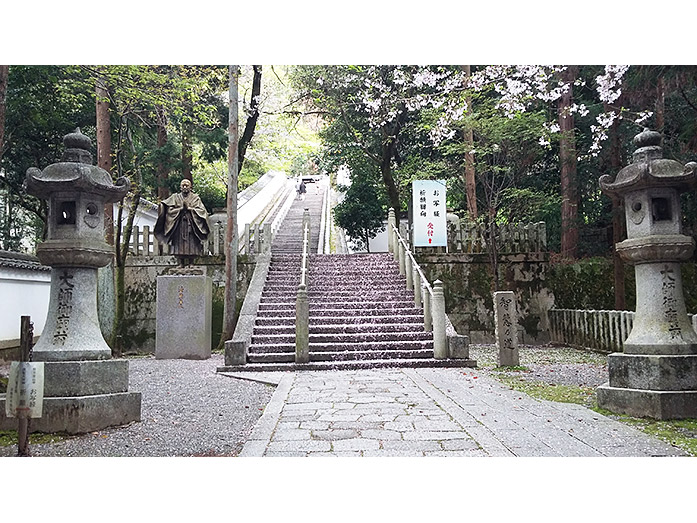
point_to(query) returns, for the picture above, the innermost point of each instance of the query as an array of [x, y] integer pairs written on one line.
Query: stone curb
[[260, 438]]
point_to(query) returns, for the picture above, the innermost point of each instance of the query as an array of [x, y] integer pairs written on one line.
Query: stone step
[[340, 313], [349, 365], [353, 338], [340, 329], [390, 305], [379, 346], [350, 356]]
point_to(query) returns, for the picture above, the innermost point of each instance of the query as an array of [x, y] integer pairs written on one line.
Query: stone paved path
[[431, 412]]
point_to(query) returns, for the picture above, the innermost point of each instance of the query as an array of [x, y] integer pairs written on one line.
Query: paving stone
[[343, 454], [314, 425], [345, 416], [355, 444], [335, 434], [299, 417], [381, 434], [384, 453], [411, 446], [471, 453], [308, 407], [343, 405], [357, 425], [380, 417], [288, 454], [436, 435], [401, 426], [436, 425], [288, 425], [460, 444], [299, 446], [282, 434]]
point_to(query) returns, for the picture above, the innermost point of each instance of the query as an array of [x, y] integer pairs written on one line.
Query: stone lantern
[[84, 389], [656, 375]]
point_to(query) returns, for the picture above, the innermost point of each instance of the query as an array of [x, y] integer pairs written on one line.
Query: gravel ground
[[190, 410], [549, 364], [187, 410]]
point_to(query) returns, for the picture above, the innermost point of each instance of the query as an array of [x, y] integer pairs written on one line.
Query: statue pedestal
[[184, 312]]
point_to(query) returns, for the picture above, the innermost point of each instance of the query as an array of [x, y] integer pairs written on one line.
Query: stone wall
[[141, 290], [467, 279]]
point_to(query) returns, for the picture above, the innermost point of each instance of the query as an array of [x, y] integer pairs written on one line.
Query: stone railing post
[[247, 239], [409, 272], [402, 256], [302, 326], [390, 230], [428, 317], [416, 280], [257, 239], [267, 238], [440, 341]]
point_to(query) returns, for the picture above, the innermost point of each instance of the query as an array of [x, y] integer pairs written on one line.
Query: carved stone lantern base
[[83, 396], [654, 386]]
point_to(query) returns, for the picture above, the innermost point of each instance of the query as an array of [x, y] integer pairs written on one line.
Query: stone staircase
[[361, 313]]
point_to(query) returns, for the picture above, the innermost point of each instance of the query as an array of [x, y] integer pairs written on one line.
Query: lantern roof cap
[[76, 173], [649, 169]]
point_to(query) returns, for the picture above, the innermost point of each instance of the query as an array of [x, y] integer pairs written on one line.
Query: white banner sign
[[25, 390], [430, 227]]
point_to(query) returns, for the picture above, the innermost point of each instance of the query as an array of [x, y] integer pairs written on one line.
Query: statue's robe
[[184, 229]]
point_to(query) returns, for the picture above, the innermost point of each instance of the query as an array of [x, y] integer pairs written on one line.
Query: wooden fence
[[255, 239], [471, 237], [601, 330]]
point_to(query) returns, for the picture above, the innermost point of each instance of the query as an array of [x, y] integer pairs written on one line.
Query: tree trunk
[[162, 167], [4, 76], [187, 156], [660, 106], [251, 123], [104, 150], [470, 183], [569, 179], [388, 151], [229, 305], [619, 225], [123, 236]]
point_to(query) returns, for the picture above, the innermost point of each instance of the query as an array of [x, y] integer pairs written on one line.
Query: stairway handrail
[[424, 281]]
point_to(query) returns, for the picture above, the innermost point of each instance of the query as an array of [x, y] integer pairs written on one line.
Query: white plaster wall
[[24, 293]]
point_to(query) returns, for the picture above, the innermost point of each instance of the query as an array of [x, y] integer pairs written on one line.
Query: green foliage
[[588, 284], [9, 438], [680, 433], [361, 211], [551, 392]]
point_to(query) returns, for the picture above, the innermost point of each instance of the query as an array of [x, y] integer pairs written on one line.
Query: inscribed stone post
[[505, 325], [184, 311]]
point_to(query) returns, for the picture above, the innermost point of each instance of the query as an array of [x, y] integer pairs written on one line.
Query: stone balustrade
[[432, 298], [601, 330]]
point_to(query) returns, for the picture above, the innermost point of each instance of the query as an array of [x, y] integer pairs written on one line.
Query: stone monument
[[506, 328], [656, 375], [84, 389], [184, 295]]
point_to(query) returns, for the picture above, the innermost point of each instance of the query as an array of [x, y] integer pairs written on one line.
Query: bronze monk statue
[[182, 222]]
